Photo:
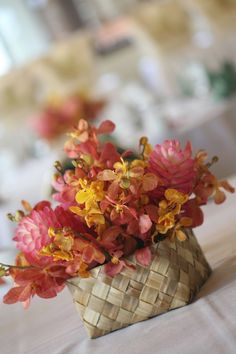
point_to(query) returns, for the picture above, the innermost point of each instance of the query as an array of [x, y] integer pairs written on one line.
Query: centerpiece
[[121, 235]]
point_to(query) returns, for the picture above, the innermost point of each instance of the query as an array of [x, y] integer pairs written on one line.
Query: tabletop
[[208, 325]]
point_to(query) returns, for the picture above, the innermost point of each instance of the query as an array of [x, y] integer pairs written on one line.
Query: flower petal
[[143, 256], [112, 269], [106, 127], [106, 175], [150, 182], [181, 236], [145, 223]]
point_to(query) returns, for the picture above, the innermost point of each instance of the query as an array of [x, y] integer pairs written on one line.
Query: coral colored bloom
[[84, 139], [173, 166], [192, 210], [45, 283], [89, 251]]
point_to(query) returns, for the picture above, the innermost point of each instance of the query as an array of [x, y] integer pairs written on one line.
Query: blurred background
[[158, 68]]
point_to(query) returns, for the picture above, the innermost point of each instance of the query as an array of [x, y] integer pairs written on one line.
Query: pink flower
[[31, 234], [173, 166]]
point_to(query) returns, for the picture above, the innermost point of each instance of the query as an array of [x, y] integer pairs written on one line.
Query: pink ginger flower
[[173, 166], [31, 234]]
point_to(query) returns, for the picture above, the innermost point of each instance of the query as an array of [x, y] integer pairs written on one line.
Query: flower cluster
[[59, 115], [110, 206]]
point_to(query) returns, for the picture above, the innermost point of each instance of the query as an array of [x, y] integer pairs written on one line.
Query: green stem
[[4, 265]]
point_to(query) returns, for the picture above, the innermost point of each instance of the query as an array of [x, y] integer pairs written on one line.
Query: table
[[206, 326], [32, 183]]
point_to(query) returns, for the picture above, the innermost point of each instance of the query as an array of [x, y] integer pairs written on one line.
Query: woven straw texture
[[175, 275]]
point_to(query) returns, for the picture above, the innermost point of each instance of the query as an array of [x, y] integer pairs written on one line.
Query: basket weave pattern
[[172, 279]]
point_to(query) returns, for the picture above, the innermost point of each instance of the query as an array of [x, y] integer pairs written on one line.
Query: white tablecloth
[[206, 326], [29, 181]]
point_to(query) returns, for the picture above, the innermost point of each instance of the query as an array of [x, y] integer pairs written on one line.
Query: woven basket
[[172, 279]]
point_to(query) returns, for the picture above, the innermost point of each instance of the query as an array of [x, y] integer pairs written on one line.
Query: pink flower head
[[173, 166], [31, 234]]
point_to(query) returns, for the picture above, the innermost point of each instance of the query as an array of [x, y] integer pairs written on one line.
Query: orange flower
[[179, 229], [169, 208], [61, 246]]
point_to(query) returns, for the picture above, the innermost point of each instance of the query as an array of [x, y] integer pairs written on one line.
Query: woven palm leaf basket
[[173, 278]]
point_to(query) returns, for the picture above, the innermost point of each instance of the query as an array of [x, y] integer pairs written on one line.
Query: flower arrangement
[[60, 114], [109, 207]]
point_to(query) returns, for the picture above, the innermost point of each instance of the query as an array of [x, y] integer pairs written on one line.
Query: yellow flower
[[122, 173], [173, 203], [61, 246], [92, 216], [178, 230], [91, 194], [115, 260], [147, 148], [83, 270], [165, 223], [121, 168], [62, 238], [169, 208], [57, 255], [138, 163], [174, 196]]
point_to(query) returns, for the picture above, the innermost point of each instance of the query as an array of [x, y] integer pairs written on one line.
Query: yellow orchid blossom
[[57, 255], [179, 229], [93, 216], [165, 223], [169, 208], [122, 173], [63, 238], [125, 170], [173, 203], [90, 194], [61, 246], [174, 196], [121, 168]]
